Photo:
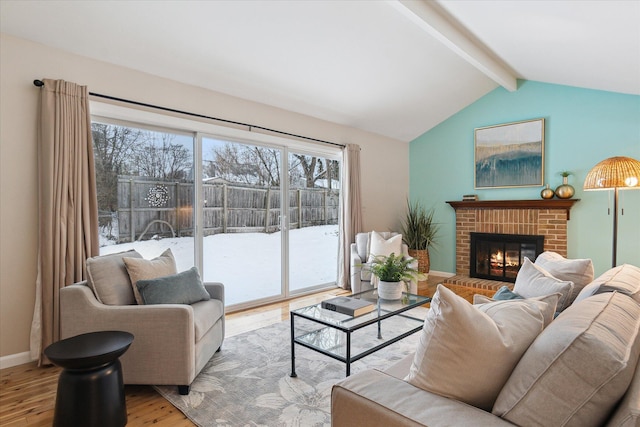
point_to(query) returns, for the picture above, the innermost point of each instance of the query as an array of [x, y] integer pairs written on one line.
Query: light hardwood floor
[[27, 393]]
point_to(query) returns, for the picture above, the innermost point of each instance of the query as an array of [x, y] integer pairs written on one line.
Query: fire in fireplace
[[499, 256]]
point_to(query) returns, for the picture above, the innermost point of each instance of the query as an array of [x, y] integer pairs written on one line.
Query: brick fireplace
[[528, 217]]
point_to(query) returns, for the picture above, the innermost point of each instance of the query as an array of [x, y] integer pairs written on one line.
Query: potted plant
[[394, 272], [418, 232]]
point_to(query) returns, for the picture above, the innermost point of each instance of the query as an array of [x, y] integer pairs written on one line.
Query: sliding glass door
[[259, 216]]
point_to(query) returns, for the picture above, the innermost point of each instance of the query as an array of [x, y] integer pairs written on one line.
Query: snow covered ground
[[249, 263]]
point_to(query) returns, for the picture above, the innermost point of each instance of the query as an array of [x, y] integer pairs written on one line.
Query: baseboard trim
[[15, 359], [441, 273]]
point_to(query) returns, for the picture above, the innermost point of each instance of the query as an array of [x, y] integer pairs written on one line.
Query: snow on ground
[[249, 263]]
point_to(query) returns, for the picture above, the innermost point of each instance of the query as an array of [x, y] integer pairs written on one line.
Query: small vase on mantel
[[547, 193], [565, 191]]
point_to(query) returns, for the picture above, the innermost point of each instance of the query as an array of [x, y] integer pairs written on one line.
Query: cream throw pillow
[[467, 352], [548, 313], [144, 269], [578, 271], [379, 246], [108, 277], [534, 281]]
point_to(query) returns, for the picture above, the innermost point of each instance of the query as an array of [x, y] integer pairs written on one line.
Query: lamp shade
[[614, 172]]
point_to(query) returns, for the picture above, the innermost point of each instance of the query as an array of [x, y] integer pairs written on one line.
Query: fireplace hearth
[[497, 256]]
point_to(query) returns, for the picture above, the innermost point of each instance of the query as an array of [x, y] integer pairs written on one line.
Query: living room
[[583, 125]]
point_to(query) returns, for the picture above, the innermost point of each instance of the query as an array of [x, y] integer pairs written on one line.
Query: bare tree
[[245, 164], [160, 158], [113, 147]]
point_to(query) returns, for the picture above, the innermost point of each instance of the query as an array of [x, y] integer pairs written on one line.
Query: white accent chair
[[361, 278]]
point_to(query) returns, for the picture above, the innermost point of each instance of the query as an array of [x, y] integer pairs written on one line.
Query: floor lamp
[[614, 173]]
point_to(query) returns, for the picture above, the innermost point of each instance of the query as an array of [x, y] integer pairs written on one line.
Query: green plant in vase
[[394, 273]]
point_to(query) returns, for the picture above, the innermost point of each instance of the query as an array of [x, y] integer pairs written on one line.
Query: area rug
[[247, 382]]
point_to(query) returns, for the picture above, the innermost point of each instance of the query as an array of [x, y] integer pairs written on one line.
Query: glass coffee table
[[347, 338]]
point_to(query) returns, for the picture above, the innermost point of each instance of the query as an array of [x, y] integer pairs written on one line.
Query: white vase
[[390, 290]]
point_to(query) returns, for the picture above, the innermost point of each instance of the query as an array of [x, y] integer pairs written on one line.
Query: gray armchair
[[172, 342], [361, 279]]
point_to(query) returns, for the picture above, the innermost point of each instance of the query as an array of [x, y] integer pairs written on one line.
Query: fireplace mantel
[[565, 204]]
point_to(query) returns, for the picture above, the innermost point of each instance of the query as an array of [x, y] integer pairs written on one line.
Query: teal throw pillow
[[182, 288], [504, 293]]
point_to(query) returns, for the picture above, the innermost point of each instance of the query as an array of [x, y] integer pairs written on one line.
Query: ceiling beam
[[431, 20]]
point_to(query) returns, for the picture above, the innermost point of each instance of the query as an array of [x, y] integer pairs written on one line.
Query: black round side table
[[90, 386]]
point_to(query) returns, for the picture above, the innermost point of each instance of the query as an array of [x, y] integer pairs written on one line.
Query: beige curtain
[[351, 213], [68, 207]]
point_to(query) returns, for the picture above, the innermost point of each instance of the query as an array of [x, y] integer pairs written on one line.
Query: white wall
[[385, 165]]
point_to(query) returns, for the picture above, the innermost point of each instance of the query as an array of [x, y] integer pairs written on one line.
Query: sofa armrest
[[374, 398], [215, 290]]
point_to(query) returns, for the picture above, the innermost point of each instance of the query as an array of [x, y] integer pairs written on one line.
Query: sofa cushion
[[534, 281], [109, 280], [548, 312], [627, 413], [467, 352], [624, 279], [579, 367], [182, 288], [578, 271], [379, 246], [144, 269]]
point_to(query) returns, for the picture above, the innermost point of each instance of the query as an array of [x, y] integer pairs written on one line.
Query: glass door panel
[[242, 240], [314, 197], [144, 180]]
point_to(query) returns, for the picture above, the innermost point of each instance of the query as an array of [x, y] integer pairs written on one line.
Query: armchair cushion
[[182, 288], [108, 278], [144, 269]]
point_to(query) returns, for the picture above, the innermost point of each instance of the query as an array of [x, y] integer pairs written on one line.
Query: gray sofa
[[172, 342], [581, 370]]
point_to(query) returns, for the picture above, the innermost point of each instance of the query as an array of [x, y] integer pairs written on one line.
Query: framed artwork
[[509, 155]]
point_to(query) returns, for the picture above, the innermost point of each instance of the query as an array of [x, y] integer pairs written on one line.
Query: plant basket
[[422, 255]]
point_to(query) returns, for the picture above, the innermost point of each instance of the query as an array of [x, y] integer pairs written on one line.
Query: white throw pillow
[[578, 271], [534, 281], [548, 313], [467, 352], [379, 246]]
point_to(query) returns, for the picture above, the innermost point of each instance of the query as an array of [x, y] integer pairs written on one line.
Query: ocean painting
[[510, 155]]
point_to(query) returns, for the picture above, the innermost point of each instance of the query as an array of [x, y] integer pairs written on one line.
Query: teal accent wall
[[582, 127]]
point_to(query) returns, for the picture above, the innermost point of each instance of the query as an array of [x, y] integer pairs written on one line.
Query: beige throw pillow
[[534, 281], [548, 313], [467, 352], [579, 367], [379, 246], [143, 269], [108, 278], [578, 271]]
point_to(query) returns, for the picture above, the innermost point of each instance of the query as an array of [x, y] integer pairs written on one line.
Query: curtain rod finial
[[38, 83]]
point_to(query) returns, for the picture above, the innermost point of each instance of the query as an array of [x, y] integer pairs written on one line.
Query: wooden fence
[[148, 208]]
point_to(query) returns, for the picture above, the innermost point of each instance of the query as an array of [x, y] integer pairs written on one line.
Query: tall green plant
[[418, 229]]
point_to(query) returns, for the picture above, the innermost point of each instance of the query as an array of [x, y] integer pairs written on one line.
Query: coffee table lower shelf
[[336, 340]]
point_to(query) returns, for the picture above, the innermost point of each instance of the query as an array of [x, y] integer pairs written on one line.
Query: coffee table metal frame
[[384, 310]]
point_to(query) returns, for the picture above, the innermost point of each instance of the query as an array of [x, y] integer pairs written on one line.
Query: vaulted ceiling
[[396, 68]]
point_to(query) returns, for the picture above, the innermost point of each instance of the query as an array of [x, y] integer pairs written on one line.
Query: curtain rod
[[40, 83]]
